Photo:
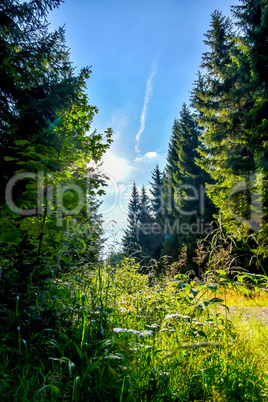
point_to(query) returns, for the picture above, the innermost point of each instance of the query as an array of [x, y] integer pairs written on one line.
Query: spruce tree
[[231, 98], [170, 168], [170, 241], [191, 215], [157, 194], [146, 236], [131, 236], [143, 236], [157, 207], [252, 20]]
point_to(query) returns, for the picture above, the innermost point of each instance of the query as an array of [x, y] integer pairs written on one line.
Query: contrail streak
[[147, 97]]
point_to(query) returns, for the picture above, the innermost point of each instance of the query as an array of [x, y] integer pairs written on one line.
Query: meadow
[[114, 334]]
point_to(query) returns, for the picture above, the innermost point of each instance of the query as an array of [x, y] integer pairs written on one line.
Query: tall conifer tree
[[170, 243], [131, 236], [157, 202], [157, 194], [146, 237], [191, 213], [231, 98]]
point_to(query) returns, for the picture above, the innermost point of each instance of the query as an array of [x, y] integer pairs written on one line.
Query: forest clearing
[[177, 309]]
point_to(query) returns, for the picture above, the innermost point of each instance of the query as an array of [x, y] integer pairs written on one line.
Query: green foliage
[[144, 234], [114, 258], [158, 209], [231, 98], [112, 337], [74, 330], [130, 239], [186, 205], [48, 213], [157, 194]]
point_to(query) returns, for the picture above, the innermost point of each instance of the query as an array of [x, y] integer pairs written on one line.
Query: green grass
[[239, 299], [107, 335]]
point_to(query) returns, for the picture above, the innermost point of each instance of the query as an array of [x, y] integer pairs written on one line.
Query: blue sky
[[144, 57]]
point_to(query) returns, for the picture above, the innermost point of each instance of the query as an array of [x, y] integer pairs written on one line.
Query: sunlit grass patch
[[115, 338], [254, 298]]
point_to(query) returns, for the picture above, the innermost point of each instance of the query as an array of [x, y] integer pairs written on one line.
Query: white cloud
[[151, 155], [147, 97], [147, 157]]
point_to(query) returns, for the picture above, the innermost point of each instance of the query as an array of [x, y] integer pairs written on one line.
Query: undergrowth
[[110, 335]]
